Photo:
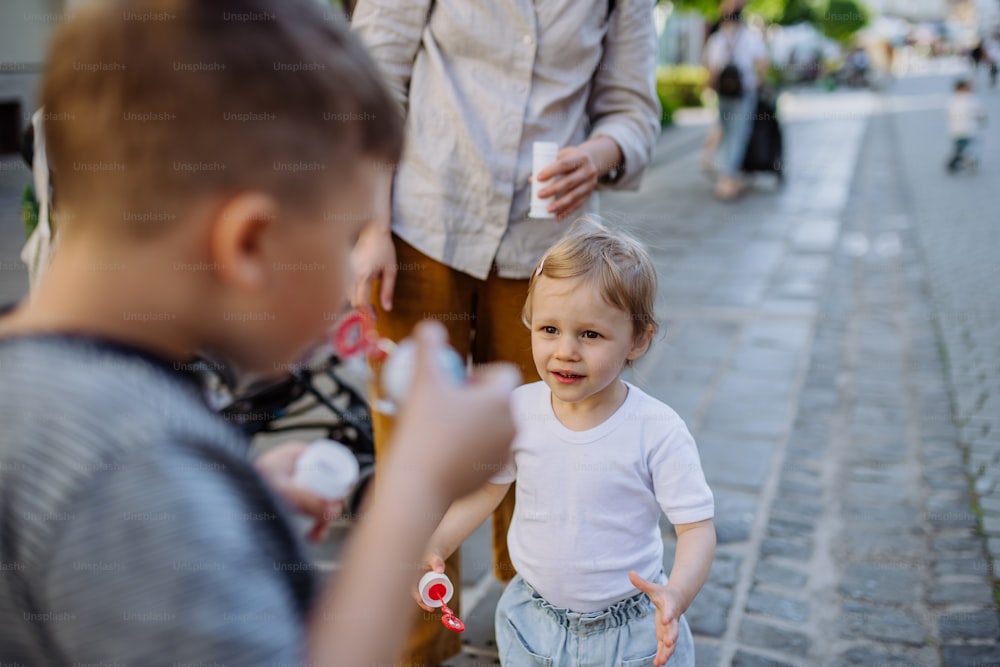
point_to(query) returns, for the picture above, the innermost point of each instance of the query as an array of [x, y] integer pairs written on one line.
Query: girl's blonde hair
[[614, 263]]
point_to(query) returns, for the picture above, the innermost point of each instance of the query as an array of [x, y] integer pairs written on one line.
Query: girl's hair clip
[[541, 263]]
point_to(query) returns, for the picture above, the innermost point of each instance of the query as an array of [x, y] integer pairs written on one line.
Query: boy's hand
[[277, 467], [668, 614], [432, 562], [373, 258], [454, 437]]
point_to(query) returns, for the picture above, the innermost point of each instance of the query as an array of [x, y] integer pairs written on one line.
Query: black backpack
[[730, 82]]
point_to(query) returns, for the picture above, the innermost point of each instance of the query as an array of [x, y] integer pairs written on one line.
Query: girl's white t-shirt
[[588, 503]]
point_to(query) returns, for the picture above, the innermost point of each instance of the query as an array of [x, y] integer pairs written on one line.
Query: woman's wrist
[[606, 155]]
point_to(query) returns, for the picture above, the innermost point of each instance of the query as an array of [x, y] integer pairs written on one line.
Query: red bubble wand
[[356, 335], [448, 618], [435, 590]]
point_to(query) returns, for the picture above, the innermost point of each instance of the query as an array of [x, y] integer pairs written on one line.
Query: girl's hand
[[277, 468], [668, 614], [432, 562]]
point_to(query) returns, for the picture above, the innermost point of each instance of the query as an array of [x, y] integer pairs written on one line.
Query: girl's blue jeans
[[736, 115], [531, 632]]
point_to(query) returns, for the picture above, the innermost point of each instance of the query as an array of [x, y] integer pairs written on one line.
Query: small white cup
[[543, 153], [327, 468]]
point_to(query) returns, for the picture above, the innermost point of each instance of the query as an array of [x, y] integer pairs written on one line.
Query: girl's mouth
[[566, 377]]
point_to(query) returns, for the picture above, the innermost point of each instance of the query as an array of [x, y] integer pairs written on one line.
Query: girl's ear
[[641, 343]]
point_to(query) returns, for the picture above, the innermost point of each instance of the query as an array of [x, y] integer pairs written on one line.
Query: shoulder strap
[[732, 43]]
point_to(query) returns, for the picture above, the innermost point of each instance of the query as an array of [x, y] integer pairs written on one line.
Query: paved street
[[805, 334], [834, 346]]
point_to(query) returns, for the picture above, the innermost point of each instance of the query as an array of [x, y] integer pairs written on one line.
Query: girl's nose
[[566, 348]]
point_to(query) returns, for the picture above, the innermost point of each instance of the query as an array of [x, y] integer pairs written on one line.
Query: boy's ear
[[238, 238]]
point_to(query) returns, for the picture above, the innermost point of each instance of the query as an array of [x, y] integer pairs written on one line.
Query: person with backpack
[[736, 57], [714, 135]]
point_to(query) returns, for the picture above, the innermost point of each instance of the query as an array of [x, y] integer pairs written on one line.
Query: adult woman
[[736, 57]]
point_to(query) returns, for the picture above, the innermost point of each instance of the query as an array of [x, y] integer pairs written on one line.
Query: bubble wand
[[356, 335], [435, 590]]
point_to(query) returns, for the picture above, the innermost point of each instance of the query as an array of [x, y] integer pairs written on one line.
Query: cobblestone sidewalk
[[801, 347]]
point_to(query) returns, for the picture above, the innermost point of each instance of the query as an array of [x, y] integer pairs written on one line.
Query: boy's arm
[[353, 618], [447, 440]]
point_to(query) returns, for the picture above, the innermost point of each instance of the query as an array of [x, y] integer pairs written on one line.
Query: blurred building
[[681, 34], [913, 10], [987, 14], [25, 26]]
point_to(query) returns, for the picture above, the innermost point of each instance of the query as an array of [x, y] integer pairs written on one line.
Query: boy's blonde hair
[[151, 105], [614, 263]]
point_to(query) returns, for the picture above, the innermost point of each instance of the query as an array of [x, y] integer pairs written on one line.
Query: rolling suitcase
[[764, 149]]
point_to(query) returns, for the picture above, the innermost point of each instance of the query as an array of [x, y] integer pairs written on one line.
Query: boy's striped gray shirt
[[133, 529]]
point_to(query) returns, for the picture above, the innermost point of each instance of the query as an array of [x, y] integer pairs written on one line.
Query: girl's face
[[580, 344]]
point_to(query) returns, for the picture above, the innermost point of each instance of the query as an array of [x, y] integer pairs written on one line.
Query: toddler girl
[[596, 461]]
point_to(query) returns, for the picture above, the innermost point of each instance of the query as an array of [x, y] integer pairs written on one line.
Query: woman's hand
[[578, 169], [373, 258]]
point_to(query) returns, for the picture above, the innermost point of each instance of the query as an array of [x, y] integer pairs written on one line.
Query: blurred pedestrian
[[976, 55], [857, 65], [965, 117], [479, 83], [737, 59], [714, 135]]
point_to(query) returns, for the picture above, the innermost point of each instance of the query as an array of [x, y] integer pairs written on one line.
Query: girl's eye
[[549, 330], [591, 334]]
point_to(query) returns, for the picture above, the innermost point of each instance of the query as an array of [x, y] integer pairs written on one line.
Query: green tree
[[799, 11], [782, 12], [843, 18], [771, 11], [710, 8]]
